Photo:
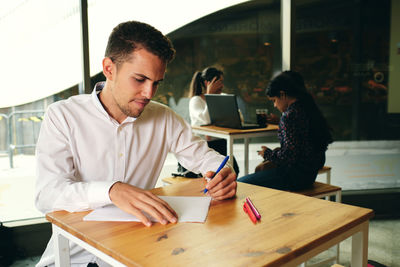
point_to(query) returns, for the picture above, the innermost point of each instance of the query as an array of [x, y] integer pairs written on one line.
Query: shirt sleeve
[[290, 134], [58, 186], [191, 150], [198, 111]]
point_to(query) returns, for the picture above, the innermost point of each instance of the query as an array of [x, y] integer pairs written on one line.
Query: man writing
[[110, 146]]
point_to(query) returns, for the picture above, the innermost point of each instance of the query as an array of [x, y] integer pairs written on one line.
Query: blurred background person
[[303, 133], [208, 81]]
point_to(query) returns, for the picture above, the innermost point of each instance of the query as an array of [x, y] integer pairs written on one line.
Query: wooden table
[[231, 134], [293, 228]]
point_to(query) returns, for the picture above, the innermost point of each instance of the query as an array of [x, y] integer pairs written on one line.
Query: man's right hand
[[136, 201]]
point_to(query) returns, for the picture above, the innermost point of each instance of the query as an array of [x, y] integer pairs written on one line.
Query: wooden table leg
[[230, 150], [359, 250], [246, 156], [62, 252], [61, 248]]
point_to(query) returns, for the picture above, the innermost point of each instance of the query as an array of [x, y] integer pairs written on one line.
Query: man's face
[[135, 82]]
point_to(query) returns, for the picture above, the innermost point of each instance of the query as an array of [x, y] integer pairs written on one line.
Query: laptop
[[224, 112]]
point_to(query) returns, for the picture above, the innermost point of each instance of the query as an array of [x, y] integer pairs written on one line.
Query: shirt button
[[121, 154]]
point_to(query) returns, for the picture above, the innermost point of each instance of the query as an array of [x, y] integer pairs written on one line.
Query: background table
[[231, 134], [293, 228]]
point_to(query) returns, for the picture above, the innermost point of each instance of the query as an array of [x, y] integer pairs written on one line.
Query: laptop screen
[[223, 110]]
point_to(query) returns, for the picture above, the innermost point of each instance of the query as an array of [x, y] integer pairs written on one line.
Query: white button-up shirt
[[82, 151]]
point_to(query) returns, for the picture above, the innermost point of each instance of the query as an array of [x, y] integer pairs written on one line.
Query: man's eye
[[140, 80]]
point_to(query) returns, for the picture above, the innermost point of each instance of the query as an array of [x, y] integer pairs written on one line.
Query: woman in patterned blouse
[[303, 133]]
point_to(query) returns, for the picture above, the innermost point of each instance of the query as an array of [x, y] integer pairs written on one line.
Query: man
[[110, 146]]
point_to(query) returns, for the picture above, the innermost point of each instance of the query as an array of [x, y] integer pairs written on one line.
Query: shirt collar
[[95, 98]]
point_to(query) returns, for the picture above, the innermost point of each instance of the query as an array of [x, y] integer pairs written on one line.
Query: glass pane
[[41, 46], [344, 57], [244, 42]]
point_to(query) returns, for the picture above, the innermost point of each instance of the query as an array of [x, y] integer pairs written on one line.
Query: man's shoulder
[[155, 106], [158, 111], [71, 102]]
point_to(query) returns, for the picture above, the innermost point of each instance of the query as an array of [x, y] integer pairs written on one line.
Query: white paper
[[189, 209]]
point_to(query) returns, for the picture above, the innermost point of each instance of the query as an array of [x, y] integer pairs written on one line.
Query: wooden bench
[[322, 190], [327, 171]]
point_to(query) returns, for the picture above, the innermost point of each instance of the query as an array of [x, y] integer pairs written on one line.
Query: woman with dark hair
[[208, 81], [303, 133]]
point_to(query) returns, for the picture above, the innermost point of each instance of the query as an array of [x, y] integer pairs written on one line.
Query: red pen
[[253, 208], [247, 209]]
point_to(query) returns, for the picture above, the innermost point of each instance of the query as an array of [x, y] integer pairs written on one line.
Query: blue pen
[[219, 168]]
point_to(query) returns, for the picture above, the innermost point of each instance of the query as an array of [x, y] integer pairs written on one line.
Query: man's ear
[[109, 68]]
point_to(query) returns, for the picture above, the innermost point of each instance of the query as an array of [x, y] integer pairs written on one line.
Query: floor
[[382, 163]]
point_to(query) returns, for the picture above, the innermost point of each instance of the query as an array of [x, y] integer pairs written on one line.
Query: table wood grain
[[291, 226]]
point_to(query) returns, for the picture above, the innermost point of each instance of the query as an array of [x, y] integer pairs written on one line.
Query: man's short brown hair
[[131, 35]]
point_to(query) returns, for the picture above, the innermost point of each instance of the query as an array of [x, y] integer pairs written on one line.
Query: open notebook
[[189, 209]]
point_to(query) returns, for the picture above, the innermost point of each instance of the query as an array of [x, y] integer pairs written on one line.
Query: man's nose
[[148, 91]]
